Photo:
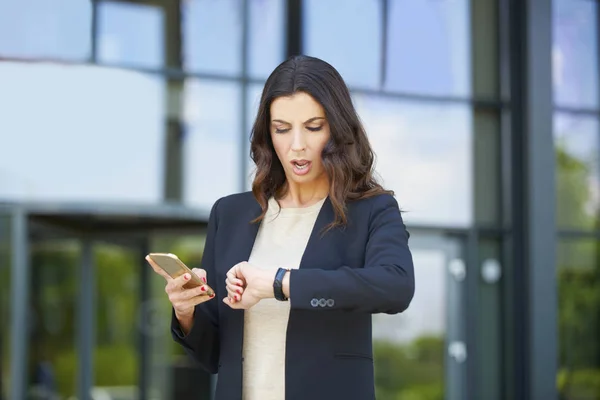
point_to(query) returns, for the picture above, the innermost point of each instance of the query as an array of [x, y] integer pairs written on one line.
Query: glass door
[[421, 353]]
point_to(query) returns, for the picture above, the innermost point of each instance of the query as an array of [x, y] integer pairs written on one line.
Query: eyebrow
[[308, 121]]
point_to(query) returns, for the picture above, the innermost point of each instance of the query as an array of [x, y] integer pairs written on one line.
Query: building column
[[532, 293], [19, 304]]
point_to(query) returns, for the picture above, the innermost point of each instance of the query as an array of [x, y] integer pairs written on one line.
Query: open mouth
[[301, 164], [301, 167]]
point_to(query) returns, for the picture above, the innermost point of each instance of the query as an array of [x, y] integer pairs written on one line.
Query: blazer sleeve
[[386, 284], [202, 342]]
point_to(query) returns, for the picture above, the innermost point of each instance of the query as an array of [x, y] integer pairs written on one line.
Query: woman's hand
[[183, 300], [247, 285]]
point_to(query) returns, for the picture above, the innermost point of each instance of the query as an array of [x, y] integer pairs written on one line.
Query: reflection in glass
[[252, 102], [409, 347], [352, 47], [424, 154], [116, 361], [53, 363], [5, 279], [212, 36], [174, 375], [212, 141], [439, 61], [266, 37], [58, 29], [576, 146], [575, 53], [98, 133], [130, 34], [578, 318]]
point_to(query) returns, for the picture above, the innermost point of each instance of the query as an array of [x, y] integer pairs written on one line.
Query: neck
[[303, 195]]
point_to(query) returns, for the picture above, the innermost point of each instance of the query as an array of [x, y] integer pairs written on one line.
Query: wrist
[[264, 286], [286, 284]]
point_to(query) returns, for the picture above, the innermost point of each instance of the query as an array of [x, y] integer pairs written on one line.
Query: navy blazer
[[345, 275]]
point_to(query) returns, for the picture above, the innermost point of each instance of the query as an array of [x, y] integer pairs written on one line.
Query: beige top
[[280, 242]]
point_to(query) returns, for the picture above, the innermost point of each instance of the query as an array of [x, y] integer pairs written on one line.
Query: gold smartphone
[[174, 267]]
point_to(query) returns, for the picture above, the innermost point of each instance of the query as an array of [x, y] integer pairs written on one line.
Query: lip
[[299, 171]]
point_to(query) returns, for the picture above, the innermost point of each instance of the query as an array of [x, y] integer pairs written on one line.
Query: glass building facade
[[122, 121]]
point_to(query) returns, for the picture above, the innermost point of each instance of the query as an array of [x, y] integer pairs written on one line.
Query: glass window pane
[[428, 47], [116, 359], [429, 168], [347, 35], [266, 37], [212, 36], [578, 278], [252, 102], [96, 132], [212, 141], [416, 340], [575, 53], [576, 146], [130, 34], [59, 29], [53, 362]]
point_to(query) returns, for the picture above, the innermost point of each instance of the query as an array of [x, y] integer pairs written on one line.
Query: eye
[[281, 130], [314, 129]]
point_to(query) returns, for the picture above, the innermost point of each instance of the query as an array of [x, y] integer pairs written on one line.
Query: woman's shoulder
[[375, 202], [235, 201]]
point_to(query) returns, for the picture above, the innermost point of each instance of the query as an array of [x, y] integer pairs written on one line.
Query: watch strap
[[278, 284]]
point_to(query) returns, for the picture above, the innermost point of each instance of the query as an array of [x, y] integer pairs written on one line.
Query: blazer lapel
[[248, 232], [317, 244]]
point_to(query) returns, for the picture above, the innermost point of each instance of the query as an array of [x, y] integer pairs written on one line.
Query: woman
[[300, 263]]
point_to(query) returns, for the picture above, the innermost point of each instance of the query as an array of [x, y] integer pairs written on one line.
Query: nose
[[298, 141]]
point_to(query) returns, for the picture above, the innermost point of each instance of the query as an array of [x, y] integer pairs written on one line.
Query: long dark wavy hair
[[347, 157]]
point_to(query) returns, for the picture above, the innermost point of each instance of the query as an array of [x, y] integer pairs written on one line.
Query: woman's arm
[[202, 338], [386, 284]]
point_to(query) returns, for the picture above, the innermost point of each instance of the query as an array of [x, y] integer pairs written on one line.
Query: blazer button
[[322, 302], [314, 302], [330, 302]]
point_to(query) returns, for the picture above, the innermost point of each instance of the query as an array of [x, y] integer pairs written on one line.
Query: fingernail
[[203, 288], [236, 298], [239, 291], [212, 295], [186, 277], [204, 279]]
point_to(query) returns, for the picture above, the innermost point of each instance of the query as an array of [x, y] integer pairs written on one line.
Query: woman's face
[[299, 132]]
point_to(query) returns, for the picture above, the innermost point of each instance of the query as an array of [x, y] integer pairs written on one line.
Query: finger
[[233, 277], [235, 297], [198, 300], [186, 294], [158, 269], [234, 289], [200, 273], [177, 283], [231, 304]]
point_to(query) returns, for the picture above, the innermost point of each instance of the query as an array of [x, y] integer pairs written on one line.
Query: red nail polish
[[236, 298], [202, 288], [239, 291], [204, 279], [186, 277]]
